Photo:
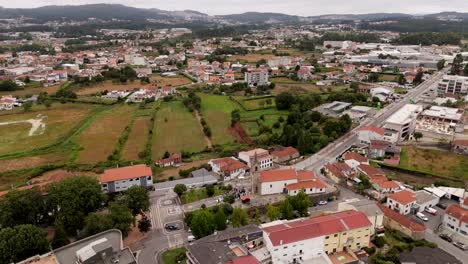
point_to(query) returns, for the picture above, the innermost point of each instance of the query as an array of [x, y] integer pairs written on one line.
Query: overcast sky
[[295, 7]]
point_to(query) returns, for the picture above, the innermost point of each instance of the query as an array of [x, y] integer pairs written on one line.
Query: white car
[[322, 202], [190, 238], [430, 210], [422, 217]]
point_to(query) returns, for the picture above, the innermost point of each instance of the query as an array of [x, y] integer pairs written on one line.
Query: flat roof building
[[402, 123]]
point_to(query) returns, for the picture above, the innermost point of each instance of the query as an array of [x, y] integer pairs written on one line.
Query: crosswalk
[[154, 211]]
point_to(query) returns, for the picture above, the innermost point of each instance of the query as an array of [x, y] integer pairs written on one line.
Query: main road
[[339, 146]]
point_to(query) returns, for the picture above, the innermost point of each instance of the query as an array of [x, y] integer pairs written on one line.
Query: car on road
[[422, 217], [191, 238], [430, 210], [172, 227], [446, 237], [460, 245], [442, 206], [322, 202]]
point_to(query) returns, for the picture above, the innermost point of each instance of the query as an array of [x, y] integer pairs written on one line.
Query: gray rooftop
[[423, 255], [190, 182], [368, 207], [424, 197]]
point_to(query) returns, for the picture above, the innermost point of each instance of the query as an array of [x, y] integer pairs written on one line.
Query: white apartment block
[[121, 179], [453, 85], [256, 77], [402, 123], [257, 159]]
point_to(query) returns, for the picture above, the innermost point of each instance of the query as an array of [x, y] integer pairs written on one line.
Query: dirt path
[[37, 124], [207, 139]]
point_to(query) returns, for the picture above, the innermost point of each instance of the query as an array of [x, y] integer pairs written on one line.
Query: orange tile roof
[[229, 164], [278, 175], [355, 156], [460, 142], [287, 151], [458, 212], [403, 197], [370, 171], [315, 183], [401, 219], [125, 173], [377, 130]]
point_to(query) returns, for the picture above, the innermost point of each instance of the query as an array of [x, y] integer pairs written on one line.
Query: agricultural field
[[137, 138], [175, 130], [303, 88], [100, 139], [32, 90], [256, 103], [31, 162], [217, 112], [250, 57], [435, 162], [388, 77], [170, 81], [26, 131]]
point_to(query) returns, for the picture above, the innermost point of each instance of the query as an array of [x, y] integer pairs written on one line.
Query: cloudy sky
[[295, 7]]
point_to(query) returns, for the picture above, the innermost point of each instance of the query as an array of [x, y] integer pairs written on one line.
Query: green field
[[176, 130], [217, 112], [258, 103], [58, 120], [435, 162], [169, 257], [99, 140], [198, 194], [137, 139]]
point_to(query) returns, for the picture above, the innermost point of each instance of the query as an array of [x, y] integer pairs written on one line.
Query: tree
[[144, 225], [239, 217], [456, 65], [273, 212], [418, 78], [220, 219], [180, 189], [354, 86], [136, 198], [8, 85], [300, 202], [96, 223], [440, 64], [401, 79], [465, 70], [210, 190], [19, 207], [21, 242], [121, 217], [287, 210], [202, 223], [72, 199], [417, 135], [235, 117], [284, 101], [60, 237], [27, 106]]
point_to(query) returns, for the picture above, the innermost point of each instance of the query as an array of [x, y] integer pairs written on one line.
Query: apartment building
[[452, 85], [256, 77], [120, 179], [306, 239], [402, 123]]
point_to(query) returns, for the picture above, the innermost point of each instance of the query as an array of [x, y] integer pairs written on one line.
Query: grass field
[[217, 112], [257, 103], [100, 139], [435, 162], [176, 130], [137, 138], [60, 119], [33, 90], [303, 88], [30, 162], [198, 194], [169, 257], [388, 77], [171, 81]]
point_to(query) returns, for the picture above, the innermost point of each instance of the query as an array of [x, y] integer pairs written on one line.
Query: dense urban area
[[145, 136]]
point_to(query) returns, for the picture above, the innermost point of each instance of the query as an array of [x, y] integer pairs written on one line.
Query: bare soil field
[[137, 138]]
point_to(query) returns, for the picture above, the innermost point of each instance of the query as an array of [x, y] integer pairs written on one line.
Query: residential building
[[339, 172], [290, 181], [256, 77], [353, 159], [369, 208], [402, 123], [455, 222], [228, 246], [382, 185], [120, 179], [460, 146], [368, 133], [228, 168], [8, 102], [257, 159], [369, 171], [285, 154], [381, 148], [102, 248], [172, 160], [401, 201], [452, 85], [396, 221], [424, 200], [302, 240]]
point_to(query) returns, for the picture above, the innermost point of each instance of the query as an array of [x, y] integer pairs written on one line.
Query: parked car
[[322, 202], [431, 210], [172, 227], [460, 245], [190, 238], [443, 206], [446, 237], [422, 217]]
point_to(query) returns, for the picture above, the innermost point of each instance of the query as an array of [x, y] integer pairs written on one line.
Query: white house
[[120, 179], [257, 159], [368, 133], [290, 181], [401, 201], [353, 159], [456, 221], [228, 168], [425, 200]]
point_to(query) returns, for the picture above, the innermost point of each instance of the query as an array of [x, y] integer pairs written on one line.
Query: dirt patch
[[30, 162], [240, 135], [165, 174]]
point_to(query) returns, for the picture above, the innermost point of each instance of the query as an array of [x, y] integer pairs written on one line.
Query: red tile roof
[[403, 197], [278, 175], [298, 230], [287, 151], [379, 144], [460, 142], [244, 260], [315, 183], [458, 212], [229, 164], [355, 156], [377, 130], [340, 170], [370, 171], [401, 219], [125, 173]]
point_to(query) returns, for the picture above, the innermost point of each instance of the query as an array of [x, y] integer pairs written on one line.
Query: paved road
[[335, 149]]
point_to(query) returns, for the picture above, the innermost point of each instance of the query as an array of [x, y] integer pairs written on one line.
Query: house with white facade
[[8, 102], [455, 221], [401, 201], [256, 77], [228, 168], [120, 179], [290, 181], [257, 159], [353, 159]]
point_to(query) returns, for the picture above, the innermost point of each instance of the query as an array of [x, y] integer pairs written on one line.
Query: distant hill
[[372, 16], [257, 17]]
